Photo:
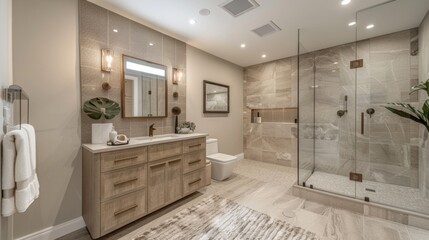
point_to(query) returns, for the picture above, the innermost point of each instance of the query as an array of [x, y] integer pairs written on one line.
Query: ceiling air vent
[[238, 7], [266, 29]]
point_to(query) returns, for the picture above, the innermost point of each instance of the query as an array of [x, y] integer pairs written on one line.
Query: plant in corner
[[186, 127], [405, 110], [97, 108]]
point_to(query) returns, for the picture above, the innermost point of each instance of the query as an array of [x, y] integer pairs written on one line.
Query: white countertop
[[143, 141]]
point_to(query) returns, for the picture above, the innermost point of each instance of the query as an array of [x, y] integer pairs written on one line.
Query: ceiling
[[323, 23]]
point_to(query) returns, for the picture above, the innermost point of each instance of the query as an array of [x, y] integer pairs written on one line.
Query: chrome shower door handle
[[362, 123]]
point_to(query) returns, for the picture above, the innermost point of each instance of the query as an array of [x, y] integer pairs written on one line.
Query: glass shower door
[[327, 116], [387, 149]]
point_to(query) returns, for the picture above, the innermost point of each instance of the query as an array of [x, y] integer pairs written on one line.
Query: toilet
[[222, 164]]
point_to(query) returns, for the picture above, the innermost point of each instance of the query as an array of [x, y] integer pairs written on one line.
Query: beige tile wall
[[96, 26], [271, 89]]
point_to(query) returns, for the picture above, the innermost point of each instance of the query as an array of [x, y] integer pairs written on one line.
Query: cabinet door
[[156, 185], [174, 180]]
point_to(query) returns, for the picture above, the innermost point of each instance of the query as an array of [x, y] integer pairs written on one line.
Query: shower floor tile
[[387, 194]]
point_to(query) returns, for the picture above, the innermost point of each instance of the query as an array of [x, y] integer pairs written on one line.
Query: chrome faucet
[[151, 129]]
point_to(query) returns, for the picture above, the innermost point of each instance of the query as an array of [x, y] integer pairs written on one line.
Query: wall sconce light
[[177, 75], [106, 60]]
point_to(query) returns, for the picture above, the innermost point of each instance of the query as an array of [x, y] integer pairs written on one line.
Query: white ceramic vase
[[100, 132]]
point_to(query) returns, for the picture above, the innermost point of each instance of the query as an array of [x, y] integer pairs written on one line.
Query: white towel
[[19, 179]]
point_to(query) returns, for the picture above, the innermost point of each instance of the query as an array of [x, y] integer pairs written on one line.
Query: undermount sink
[[157, 137]]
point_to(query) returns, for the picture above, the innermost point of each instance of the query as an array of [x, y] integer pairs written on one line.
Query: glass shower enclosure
[[349, 143]]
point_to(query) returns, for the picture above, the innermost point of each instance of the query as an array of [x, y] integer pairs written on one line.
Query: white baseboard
[[56, 231], [240, 156]]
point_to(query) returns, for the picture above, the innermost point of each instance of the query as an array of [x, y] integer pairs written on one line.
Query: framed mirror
[[144, 88], [216, 97]]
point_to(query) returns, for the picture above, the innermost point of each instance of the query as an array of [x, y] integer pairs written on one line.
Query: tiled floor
[[389, 194], [267, 188]]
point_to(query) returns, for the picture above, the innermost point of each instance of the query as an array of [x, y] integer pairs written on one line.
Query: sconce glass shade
[[106, 60], [177, 75]]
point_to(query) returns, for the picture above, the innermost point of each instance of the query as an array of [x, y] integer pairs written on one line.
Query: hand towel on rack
[[20, 184], [33, 182]]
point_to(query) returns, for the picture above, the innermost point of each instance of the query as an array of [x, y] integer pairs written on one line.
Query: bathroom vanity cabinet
[[124, 183]]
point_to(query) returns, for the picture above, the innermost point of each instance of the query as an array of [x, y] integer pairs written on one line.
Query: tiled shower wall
[[423, 76], [96, 26], [271, 88], [387, 151]]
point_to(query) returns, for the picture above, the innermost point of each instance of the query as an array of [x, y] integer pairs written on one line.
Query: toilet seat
[[221, 158]]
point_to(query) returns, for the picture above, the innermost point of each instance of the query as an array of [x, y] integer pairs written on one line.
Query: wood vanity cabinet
[[122, 186]]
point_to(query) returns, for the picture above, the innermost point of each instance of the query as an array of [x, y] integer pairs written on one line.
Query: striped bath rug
[[218, 219]]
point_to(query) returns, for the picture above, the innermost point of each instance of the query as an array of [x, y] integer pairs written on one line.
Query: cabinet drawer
[[123, 210], [164, 150], [123, 158], [193, 181], [194, 145], [193, 161], [123, 180]]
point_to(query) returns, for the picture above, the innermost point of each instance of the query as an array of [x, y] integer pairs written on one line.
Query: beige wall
[[45, 65], [228, 128], [5, 80]]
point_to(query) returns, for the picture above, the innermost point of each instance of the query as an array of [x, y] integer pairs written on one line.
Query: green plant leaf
[[405, 114], [424, 86], [99, 107]]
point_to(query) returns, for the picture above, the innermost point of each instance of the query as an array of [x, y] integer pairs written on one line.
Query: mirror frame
[[123, 88], [205, 83]]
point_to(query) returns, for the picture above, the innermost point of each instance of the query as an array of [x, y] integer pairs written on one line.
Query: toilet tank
[[211, 146]]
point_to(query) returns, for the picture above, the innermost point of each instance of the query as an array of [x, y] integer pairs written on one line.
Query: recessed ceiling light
[[192, 21], [352, 24], [215, 91], [334, 71], [335, 63], [204, 12], [370, 26], [243, 45], [115, 30], [345, 2], [264, 56], [151, 44]]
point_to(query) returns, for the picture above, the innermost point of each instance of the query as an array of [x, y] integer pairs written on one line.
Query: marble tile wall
[[423, 76], [386, 152], [271, 89], [96, 26]]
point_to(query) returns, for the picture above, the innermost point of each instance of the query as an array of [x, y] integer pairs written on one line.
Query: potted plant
[[186, 127], [406, 110], [96, 109]]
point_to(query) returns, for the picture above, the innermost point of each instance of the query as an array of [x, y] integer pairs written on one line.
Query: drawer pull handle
[[126, 181], [175, 160], [193, 182], [125, 159], [125, 210], [196, 161], [196, 145], [157, 165]]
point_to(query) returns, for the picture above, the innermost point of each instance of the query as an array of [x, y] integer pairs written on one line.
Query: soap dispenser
[[113, 134]]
